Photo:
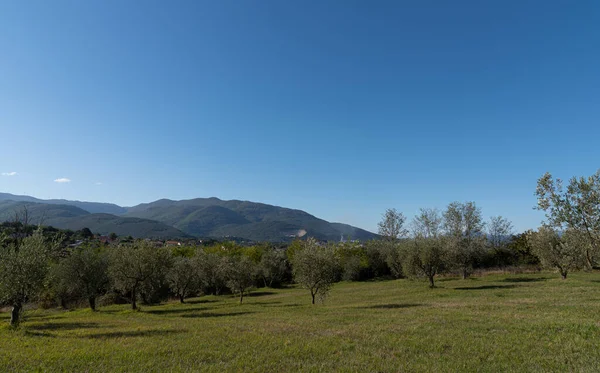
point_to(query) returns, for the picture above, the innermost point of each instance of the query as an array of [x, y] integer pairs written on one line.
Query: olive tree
[[315, 268], [555, 250], [575, 207], [272, 266], [212, 269], [426, 252], [84, 272], [184, 277], [464, 226], [391, 226], [240, 271], [23, 270], [133, 265], [499, 231]]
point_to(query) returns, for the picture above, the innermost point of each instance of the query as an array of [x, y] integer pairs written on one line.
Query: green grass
[[533, 322]]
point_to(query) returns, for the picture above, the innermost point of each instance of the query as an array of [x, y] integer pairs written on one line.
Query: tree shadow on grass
[[267, 304], [199, 301], [212, 314], [30, 333], [526, 279], [65, 326], [278, 304], [174, 311], [392, 306], [486, 287], [134, 333], [42, 317], [260, 293]]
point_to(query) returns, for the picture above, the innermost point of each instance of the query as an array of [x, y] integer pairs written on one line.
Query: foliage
[[137, 267], [294, 247], [239, 274], [315, 268], [376, 257], [391, 226], [464, 226], [184, 277], [520, 247], [272, 267], [353, 260], [84, 273], [562, 252], [212, 270], [575, 208], [427, 257], [23, 269], [427, 254]]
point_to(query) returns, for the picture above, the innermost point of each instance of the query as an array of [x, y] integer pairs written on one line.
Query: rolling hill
[[212, 217], [200, 217], [92, 207], [75, 218]]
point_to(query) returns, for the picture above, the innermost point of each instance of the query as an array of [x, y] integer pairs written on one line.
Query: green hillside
[[254, 221], [91, 207], [200, 217], [74, 218]]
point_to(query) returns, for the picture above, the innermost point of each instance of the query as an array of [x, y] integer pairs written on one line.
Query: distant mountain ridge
[[74, 218], [200, 217], [92, 207]]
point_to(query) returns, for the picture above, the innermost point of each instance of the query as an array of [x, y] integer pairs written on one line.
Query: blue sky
[[339, 108]]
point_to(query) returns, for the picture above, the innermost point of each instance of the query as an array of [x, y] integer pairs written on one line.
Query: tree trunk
[[15, 314], [313, 297], [133, 300], [92, 301], [181, 298], [563, 275], [431, 282], [465, 274], [63, 303], [241, 297], [588, 260]]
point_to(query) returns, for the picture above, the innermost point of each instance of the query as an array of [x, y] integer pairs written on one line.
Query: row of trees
[[139, 271], [38, 267], [36, 263], [456, 239]]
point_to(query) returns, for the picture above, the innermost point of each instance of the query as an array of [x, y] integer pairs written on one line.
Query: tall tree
[[212, 270], [133, 265], [464, 225], [427, 255], [272, 266], [240, 274], [499, 233], [183, 277], [23, 269], [315, 268], [85, 271], [391, 226], [577, 207]]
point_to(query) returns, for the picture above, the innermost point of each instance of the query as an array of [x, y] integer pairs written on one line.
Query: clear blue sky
[[339, 108]]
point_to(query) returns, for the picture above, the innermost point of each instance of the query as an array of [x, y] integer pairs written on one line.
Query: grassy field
[[533, 322]]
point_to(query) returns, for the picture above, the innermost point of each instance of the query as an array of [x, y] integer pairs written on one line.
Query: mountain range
[[200, 217]]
